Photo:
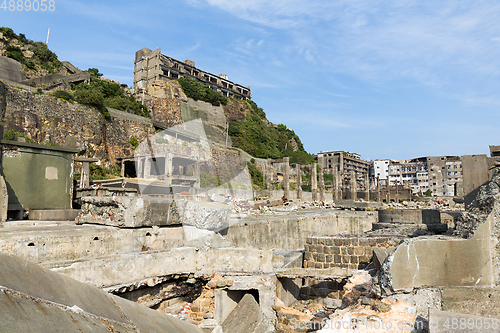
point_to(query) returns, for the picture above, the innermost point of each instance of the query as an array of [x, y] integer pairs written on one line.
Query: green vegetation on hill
[[101, 94], [260, 139], [198, 91], [42, 56]]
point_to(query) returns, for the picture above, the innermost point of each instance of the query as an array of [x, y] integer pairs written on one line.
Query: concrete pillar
[[354, 195], [269, 178], [378, 190], [197, 175], [336, 185], [388, 191], [321, 184], [314, 182], [168, 168], [367, 187], [299, 182], [85, 175], [286, 177], [4, 200], [122, 169]]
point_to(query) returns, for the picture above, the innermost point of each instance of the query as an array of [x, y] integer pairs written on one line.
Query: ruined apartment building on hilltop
[[152, 65]]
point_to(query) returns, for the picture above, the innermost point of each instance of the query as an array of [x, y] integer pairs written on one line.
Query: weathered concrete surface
[[247, 318], [131, 212], [11, 70], [434, 261], [451, 322], [290, 231], [475, 174], [379, 255], [288, 290], [357, 205], [203, 215], [481, 301], [44, 242], [34, 299], [409, 216], [4, 200], [144, 211], [54, 215], [128, 268]]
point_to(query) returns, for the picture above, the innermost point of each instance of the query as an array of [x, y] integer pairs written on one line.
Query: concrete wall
[[409, 216], [38, 177], [475, 174], [11, 70], [444, 262], [54, 243], [291, 231]]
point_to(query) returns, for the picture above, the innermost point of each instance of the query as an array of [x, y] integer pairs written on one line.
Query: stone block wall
[[346, 252]]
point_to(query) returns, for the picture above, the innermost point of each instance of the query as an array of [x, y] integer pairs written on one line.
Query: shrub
[[63, 95], [133, 142], [199, 91], [256, 175], [15, 53], [11, 134], [30, 64], [8, 33]]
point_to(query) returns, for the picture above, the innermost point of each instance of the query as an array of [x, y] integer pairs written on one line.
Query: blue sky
[[386, 79]]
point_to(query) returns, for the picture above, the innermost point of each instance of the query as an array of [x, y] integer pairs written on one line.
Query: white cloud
[[436, 44]]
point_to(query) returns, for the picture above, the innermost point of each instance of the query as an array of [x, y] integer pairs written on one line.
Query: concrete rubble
[[232, 265]]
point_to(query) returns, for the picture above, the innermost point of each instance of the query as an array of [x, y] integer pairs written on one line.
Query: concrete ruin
[[227, 258]]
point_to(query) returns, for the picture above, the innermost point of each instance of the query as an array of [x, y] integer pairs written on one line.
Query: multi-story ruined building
[[152, 65], [441, 174], [445, 175], [409, 173], [344, 163]]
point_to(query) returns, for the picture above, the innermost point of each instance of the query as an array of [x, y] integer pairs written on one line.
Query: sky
[[385, 79]]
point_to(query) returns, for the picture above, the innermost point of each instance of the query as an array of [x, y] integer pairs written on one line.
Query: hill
[[242, 120]]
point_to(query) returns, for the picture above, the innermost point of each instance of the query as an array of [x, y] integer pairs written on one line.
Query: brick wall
[[346, 252]]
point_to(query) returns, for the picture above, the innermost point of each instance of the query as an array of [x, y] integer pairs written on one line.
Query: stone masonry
[[350, 252]]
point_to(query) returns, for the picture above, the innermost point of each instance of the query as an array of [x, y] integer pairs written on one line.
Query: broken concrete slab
[[203, 215], [22, 314], [128, 268], [379, 255], [441, 261], [129, 212], [34, 299], [451, 322], [247, 317], [144, 211]]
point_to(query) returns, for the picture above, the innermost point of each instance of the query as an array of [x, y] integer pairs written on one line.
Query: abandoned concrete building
[[152, 65], [440, 174]]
